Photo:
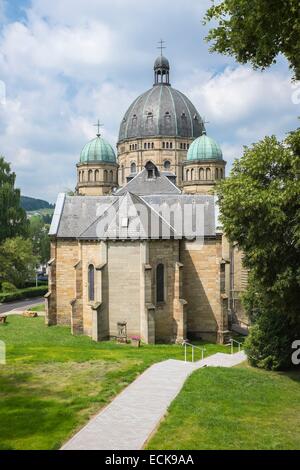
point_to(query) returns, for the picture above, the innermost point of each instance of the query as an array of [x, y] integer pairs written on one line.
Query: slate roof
[[142, 185], [130, 216], [161, 111]]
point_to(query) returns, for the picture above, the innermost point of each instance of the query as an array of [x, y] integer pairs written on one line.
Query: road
[[20, 304]]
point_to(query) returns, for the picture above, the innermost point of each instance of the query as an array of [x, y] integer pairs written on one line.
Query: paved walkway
[[127, 422], [14, 308]]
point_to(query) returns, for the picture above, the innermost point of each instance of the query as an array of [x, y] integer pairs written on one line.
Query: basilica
[[139, 243]]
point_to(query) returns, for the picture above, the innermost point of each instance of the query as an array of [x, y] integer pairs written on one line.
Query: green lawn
[[37, 308], [239, 408], [53, 382]]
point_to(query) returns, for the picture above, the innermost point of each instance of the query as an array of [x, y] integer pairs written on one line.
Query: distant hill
[[32, 204]]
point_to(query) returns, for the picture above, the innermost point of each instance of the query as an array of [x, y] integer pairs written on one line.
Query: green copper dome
[[98, 150], [204, 148]]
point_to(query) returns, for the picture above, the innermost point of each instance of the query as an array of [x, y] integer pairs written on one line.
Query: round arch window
[[167, 165]]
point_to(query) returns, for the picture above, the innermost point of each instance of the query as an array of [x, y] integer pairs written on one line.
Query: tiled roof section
[[141, 185], [130, 216]]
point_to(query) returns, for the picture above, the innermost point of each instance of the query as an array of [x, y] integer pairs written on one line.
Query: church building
[[138, 243]]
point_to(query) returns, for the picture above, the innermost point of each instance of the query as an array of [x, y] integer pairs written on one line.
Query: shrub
[[269, 344], [23, 293], [8, 287]]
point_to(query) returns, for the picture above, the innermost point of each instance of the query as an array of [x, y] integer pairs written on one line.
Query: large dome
[[161, 111]]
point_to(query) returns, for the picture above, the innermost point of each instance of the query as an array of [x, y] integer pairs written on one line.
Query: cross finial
[[161, 46], [98, 125], [204, 122]]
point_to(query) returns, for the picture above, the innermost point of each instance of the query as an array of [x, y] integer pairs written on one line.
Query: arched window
[[122, 173], [145, 145], [167, 145], [105, 176], [171, 145], [97, 175], [192, 174], [111, 176], [187, 175], [217, 173], [133, 168], [152, 145], [167, 165], [208, 174], [91, 282], [201, 174], [90, 175], [221, 173], [160, 283]]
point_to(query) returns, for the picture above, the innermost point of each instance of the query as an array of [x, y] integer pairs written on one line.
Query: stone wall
[[202, 288], [167, 253], [66, 256]]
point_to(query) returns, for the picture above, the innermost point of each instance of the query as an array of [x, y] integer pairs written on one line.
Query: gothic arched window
[[160, 283], [91, 282]]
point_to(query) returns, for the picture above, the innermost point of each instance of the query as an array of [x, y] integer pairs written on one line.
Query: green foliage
[[32, 204], [13, 220], [257, 31], [260, 210], [21, 294], [8, 287], [17, 262], [38, 232]]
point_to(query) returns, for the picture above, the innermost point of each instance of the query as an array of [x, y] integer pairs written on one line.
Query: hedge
[[21, 294]]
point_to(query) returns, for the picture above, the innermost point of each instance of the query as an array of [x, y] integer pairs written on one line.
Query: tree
[[17, 262], [260, 210], [38, 232], [257, 31], [13, 221]]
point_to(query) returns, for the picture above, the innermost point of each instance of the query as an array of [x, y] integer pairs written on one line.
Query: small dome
[[204, 148], [161, 62], [98, 150]]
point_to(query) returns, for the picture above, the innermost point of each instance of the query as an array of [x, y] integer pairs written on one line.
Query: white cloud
[[71, 62]]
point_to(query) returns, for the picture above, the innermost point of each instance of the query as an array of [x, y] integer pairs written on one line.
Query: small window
[[152, 145], [133, 168], [171, 145], [150, 174], [164, 145], [91, 282], [167, 165], [167, 145], [149, 145], [160, 283], [145, 146]]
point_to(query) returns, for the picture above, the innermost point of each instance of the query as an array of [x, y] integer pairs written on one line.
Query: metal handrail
[[231, 341], [185, 344]]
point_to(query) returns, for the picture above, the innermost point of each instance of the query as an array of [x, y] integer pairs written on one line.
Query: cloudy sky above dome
[[66, 64]]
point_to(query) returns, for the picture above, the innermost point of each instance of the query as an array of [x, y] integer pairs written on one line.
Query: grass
[[37, 308], [239, 408], [54, 382]]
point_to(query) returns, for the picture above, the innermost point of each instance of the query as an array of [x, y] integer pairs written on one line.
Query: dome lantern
[[161, 68]]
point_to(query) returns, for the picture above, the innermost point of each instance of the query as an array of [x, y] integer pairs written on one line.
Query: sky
[[64, 64]]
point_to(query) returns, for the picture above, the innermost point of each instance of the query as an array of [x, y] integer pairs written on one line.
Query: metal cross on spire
[[98, 125], [204, 122], [161, 46]]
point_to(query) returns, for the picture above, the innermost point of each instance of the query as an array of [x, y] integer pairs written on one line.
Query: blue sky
[[64, 64]]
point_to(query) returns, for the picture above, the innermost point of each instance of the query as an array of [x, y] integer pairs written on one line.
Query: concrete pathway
[[14, 308], [127, 422]]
